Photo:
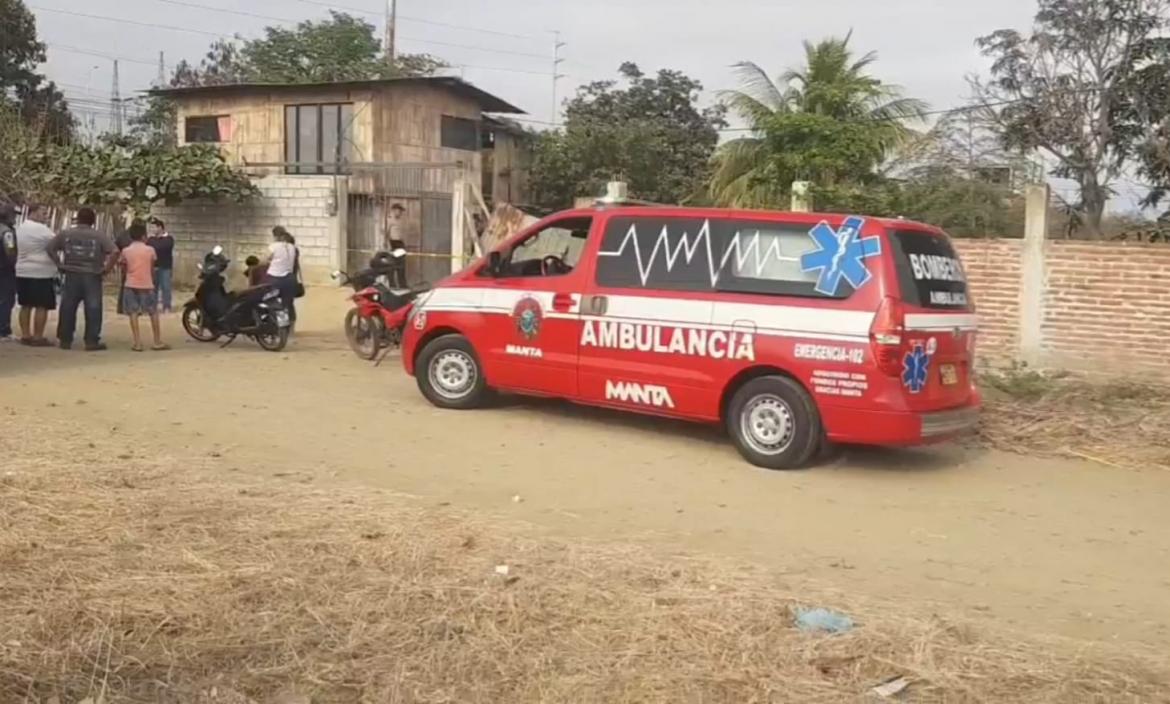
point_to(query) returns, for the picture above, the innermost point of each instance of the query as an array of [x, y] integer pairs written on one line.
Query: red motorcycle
[[380, 313]]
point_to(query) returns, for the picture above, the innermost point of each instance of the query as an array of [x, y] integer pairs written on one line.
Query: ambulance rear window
[[929, 271]]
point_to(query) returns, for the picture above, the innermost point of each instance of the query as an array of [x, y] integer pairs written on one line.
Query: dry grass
[[135, 580], [1114, 423]]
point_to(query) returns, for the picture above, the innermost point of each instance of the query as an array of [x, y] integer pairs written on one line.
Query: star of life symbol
[[915, 368], [840, 255]]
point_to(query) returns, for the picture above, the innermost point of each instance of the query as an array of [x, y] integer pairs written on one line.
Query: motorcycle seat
[[251, 292]]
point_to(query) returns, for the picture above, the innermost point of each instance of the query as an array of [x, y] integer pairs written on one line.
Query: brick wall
[[1108, 303], [304, 205], [993, 268], [1105, 306]]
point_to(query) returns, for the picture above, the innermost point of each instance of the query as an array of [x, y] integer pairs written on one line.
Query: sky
[[506, 46]]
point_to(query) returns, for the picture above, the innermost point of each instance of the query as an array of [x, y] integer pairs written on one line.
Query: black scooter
[[215, 312]]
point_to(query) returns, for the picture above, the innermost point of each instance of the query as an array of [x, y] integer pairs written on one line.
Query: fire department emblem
[[528, 317]]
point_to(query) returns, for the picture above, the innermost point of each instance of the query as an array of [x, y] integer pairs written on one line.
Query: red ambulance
[[791, 329]]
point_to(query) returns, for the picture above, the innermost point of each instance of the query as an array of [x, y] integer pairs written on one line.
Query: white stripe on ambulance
[[764, 319]]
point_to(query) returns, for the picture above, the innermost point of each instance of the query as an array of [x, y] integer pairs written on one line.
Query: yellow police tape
[[427, 255]]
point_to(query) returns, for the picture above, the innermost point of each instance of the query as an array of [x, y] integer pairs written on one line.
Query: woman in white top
[[282, 269], [35, 271]]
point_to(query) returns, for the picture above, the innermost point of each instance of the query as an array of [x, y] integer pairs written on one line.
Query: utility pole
[[556, 75], [391, 21], [116, 104], [161, 81]]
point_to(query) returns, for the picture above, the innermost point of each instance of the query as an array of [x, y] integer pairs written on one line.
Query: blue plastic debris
[[822, 620]]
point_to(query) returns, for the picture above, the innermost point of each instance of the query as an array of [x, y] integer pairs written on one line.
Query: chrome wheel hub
[[766, 424], [453, 374]]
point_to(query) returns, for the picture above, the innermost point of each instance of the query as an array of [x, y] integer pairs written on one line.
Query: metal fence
[[425, 193]]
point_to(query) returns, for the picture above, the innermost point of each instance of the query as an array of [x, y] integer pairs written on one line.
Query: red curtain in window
[[224, 126]]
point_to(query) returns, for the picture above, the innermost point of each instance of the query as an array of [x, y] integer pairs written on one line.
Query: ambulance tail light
[[887, 336]]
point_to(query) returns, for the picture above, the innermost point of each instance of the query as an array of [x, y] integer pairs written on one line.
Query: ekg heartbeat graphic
[[743, 247]]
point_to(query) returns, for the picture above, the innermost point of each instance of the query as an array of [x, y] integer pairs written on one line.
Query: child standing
[[256, 273], [138, 298]]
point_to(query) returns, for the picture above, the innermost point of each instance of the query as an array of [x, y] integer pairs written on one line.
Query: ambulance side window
[[551, 251], [700, 255]]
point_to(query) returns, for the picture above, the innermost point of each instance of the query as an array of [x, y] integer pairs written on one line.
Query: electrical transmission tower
[[556, 74], [116, 104]]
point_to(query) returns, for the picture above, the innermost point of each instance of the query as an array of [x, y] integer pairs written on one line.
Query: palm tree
[[831, 84]]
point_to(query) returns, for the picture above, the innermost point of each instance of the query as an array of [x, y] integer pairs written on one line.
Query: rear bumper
[[863, 427], [945, 424]]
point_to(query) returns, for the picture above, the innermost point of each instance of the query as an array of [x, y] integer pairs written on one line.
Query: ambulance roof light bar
[[618, 193]]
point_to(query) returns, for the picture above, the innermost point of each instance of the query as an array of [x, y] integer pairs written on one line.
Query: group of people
[[35, 263]]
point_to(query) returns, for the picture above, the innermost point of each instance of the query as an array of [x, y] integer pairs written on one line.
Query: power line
[[191, 30], [501, 68], [241, 13], [928, 113], [102, 54], [150, 25], [420, 20], [144, 62], [947, 111], [476, 48]]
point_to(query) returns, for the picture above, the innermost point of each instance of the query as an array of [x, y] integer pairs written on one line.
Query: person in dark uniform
[[7, 268]]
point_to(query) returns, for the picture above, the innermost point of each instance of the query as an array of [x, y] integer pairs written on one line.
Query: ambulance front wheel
[[774, 423], [449, 374]]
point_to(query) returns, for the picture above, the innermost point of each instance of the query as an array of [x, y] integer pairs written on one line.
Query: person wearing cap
[[7, 268]]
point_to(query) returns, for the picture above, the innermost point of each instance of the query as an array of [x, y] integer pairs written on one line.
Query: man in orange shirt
[[138, 297]]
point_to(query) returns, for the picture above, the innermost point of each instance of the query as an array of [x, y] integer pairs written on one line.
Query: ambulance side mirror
[[495, 263]]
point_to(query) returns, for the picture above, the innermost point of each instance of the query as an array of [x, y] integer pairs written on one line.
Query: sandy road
[[1052, 547]]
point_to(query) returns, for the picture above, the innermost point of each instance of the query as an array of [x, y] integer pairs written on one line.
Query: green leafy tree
[[18, 178], [1146, 119], [117, 171], [341, 48], [1068, 87], [38, 100], [821, 108], [647, 131], [138, 176]]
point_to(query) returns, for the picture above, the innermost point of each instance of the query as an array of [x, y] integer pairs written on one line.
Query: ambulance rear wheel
[[449, 374], [774, 423]]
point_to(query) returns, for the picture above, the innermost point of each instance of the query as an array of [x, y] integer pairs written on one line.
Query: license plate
[[282, 318], [950, 375]]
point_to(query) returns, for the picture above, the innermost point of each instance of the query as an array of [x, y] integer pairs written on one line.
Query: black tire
[[273, 339], [775, 423], [363, 334], [193, 323], [438, 371]]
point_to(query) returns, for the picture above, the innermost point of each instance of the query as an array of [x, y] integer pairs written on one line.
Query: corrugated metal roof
[[487, 101]]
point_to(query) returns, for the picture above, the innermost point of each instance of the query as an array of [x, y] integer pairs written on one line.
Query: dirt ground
[[1043, 546]]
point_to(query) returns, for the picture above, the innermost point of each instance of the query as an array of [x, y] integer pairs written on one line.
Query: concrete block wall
[[307, 206]]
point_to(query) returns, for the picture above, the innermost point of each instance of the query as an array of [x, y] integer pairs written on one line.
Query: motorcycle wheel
[[272, 338], [394, 337], [365, 339], [193, 323]]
